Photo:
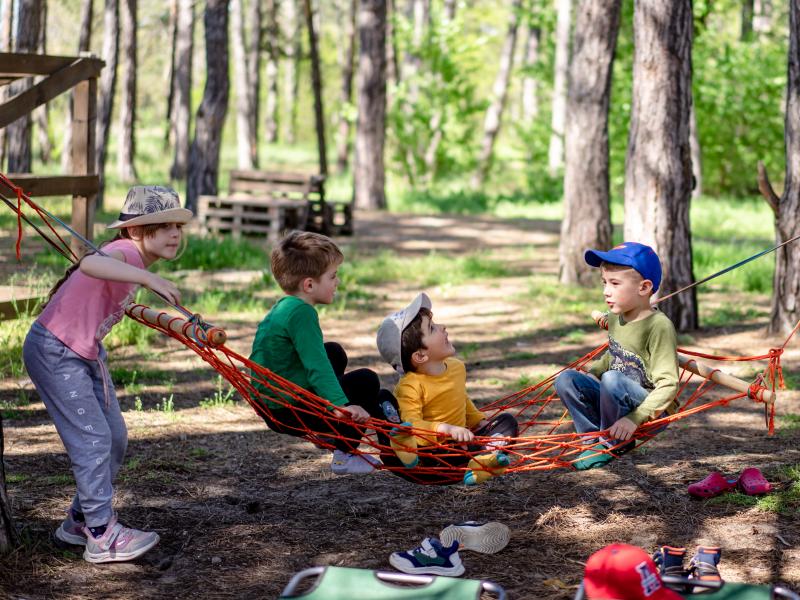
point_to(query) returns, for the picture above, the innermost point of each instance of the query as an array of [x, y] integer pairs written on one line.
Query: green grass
[[730, 314], [215, 253], [222, 397]]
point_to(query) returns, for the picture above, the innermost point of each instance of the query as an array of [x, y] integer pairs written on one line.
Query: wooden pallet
[[250, 215]]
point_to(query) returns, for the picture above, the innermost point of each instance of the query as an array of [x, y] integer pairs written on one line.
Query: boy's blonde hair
[[303, 254]]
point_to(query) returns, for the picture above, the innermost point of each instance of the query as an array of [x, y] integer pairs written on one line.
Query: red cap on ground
[[624, 572]]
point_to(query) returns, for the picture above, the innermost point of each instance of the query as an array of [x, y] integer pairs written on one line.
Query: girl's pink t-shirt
[[84, 309]]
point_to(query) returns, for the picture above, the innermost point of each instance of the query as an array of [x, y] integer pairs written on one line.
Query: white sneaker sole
[[105, 557], [486, 539], [69, 538], [401, 564]]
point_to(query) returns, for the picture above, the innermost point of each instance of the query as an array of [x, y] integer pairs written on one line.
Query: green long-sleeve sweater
[[646, 352], [289, 343]]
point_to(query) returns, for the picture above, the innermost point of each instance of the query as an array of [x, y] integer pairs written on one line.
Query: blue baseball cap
[[638, 256]]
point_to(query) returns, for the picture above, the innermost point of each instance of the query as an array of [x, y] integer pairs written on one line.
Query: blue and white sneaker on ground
[[486, 538], [429, 558]]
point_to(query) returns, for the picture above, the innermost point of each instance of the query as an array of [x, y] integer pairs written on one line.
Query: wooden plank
[[84, 122], [47, 89], [10, 309], [14, 63], [259, 175], [56, 185]]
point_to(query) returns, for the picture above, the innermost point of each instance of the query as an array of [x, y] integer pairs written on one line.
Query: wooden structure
[[59, 74], [270, 203]]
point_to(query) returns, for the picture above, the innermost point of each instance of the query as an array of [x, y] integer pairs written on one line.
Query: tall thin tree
[[347, 23], [27, 40], [204, 153], [658, 166], [291, 28], [785, 311], [41, 115], [555, 153], [127, 104], [6, 44], [273, 54], [368, 170], [255, 18], [107, 88], [84, 40], [530, 84], [172, 27], [494, 114], [316, 86], [241, 75], [181, 113], [587, 219]]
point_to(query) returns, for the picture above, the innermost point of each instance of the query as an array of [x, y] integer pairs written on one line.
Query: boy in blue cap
[[636, 379]]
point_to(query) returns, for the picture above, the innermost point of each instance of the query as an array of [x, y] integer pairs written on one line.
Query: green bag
[[341, 583], [743, 591]]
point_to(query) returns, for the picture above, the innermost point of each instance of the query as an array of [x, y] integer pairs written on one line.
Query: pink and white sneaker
[[118, 543], [71, 531]]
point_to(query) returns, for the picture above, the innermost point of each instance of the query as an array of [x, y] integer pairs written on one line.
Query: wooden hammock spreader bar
[[756, 392], [214, 337]]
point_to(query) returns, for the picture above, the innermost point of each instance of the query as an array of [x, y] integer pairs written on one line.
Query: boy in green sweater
[[636, 379], [289, 343]]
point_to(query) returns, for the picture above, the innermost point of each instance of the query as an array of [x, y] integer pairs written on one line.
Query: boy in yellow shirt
[[432, 393]]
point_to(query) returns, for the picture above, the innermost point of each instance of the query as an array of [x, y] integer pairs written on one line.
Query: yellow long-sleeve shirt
[[427, 400]]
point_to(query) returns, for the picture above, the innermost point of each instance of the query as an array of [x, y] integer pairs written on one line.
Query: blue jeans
[[596, 405], [81, 401]]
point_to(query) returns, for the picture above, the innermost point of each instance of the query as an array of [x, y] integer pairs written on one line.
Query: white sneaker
[[344, 463], [487, 538]]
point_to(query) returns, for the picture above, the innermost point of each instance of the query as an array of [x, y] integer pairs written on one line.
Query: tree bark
[[368, 170], [763, 16], [241, 76], [587, 219], [204, 153], [316, 86], [392, 64], [181, 112], [273, 52], [494, 114], [346, 57], [170, 78], [6, 44], [555, 154], [450, 7], [41, 115], [127, 104], [84, 40], [19, 132], [785, 311], [292, 51], [254, 76], [530, 92], [108, 82], [8, 533], [658, 169], [748, 7], [697, 155]]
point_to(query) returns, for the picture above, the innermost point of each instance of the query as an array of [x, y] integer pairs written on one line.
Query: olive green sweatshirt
[[645, 351]]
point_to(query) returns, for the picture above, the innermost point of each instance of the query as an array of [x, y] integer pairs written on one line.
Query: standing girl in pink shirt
[[66, 361]]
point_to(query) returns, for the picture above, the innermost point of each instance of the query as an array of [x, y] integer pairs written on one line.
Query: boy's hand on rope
[[459, 434], [352, 411], [623, 429], [164, 288]]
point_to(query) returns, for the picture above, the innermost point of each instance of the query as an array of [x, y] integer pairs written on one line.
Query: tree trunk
[[346, 56], [170, 78], [555, 154], [450, 7], [204, 153], [41, 115], [254, 76], [530, 97], [273, 52], [84, 40], [19, 132], [8, 534], [392, 64], [127, 104], [763, 14], [316, 86], [182, 99], [658, 169], [6, 44], [494, 114], [697, 155], [292, 50], [368, 170], [241, 73], [747, 20], [786, 282], [108, 82], [587, 219]]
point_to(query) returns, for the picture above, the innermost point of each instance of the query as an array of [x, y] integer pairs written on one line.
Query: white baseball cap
[[390, 333]]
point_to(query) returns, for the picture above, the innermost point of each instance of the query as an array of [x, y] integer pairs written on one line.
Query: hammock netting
[[546, 438]]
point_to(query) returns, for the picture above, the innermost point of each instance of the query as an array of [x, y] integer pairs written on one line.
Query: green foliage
[[212, 254], [221, 397]]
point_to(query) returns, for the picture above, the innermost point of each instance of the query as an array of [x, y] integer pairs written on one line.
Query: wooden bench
[[269, 203]]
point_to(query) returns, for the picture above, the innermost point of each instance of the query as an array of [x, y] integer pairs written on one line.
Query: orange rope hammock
[[546, 438]]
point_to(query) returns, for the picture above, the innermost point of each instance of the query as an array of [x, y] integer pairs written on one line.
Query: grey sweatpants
[[80, 398]]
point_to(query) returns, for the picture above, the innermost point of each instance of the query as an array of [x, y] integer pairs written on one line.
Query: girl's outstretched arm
[[114, 268]]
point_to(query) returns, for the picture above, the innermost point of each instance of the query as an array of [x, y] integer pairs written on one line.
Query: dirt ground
[[240, 508]]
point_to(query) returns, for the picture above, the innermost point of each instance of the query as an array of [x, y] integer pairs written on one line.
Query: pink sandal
[[714, 484], [753, 483]]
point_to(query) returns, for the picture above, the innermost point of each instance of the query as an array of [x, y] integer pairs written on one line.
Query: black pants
[[361, 387], [504, 425]]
